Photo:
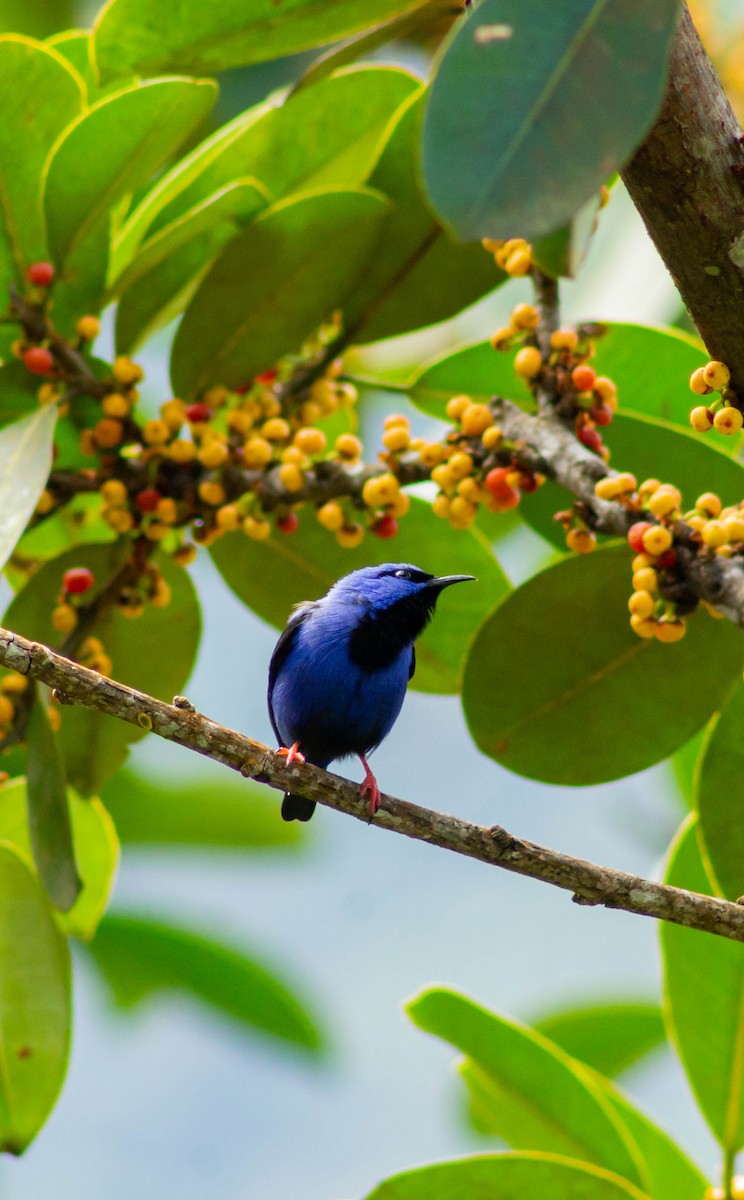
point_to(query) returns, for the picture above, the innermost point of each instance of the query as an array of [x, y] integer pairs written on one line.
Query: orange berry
[[476, 419], [645, 627], [528, 362], [670, 629], [88, 328], [581, 540], [525, 316], [350, 536], [348, 447], [108, 433], [564, 339]]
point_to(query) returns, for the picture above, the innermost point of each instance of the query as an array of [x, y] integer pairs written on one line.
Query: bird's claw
[[292, 754], [369, 786]]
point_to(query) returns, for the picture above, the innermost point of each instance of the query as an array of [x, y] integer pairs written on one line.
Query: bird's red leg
[[292, 754], [369, 785]]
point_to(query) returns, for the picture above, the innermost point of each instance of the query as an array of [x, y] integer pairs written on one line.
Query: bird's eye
[[403, 574]]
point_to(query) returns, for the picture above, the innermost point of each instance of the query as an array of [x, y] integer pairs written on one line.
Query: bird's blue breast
[[328, 703]]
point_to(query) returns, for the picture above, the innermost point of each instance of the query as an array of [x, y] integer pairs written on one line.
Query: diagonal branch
[[179, 722]]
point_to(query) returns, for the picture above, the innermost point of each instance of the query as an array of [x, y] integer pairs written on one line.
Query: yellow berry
[[728, 420], [396, 439], [211, 492], [716, 375], [155, 432], [519, 263], [501, 338], [642, 560], [350, 536], [167, 510], [657, 539], [528, 362], [125, 371], [457, 406], [346, 395], [735, 528], [291, 477], [647, 489], [276, 429], [431, 453], [582, 541], [564, 339], [215, 397], [323, 392], [525, 316], [645, 627], [714, 534], [182, 451], [698, 383], [709, 504], [664, 501], [108, 433], [64, 618], [310, 412], [626, 483], [257, 452], [256, 528], [310, 440], [697, 523], [228, 517], [330, 515], [470, 489], [476, 419], [701, 419], [47, 393], [160, 596], [114, 493], [642, 603], [399, 505], [173, 413], [88, 328], [213, 454], [670, 629], [443, 476], [393, 419], [115, 405], [605, 389], [379, 490], [441, 505], [45, 503], [492, 436], [509, 247], [14, 684], [491, 244], [462, 513], [184, 555], [460, 465], [132, 608], [7, 711], [348, 447], [645, 580], [607, 489], [155, 531], [119, 519], [240, 421]]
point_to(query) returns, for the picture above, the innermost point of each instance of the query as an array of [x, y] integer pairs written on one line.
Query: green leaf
[[186, 35], [35, 1004], [475, 370], [242, 320], [609, 1037], [18, 391], [646, 446], [704, 1001], [540, 1099], [41, 94], [534, 99], [26, 457], [154, 653], [114, 147], [204, 810], [719, 789], [76, 45], [271, 576], [344, 121], [140, 957], [506, 1177], [562, 252], [685, 765], [163, 276], [96, 852], [583, 675], [417, 275], [48, 815]]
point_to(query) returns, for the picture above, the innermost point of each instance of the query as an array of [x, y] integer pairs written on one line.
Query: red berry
[[38, 360], [497, 483], [635, 535], [583, 378], [667, 559], [386, 527], [147, 500], [77, 580], [527, 482], [40, 273], [242, 389], [589, 437], [602, 414], [266, 378], [288, 523], [198, 413]]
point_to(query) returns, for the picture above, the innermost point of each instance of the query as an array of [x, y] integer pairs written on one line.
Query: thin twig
[[179, 722]]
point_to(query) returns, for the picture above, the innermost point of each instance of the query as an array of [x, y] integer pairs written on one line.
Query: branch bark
[[179, 722]]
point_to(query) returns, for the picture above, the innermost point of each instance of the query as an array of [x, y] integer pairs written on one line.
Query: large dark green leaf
[[140, 957], [96, 852], [532, 109], [161, 279], [154, 653], [274, 284], [719, 787], [34, 1003], [26, 457], [41, 95], [205, 810], [583, 675], [540, 1099], [609, 1037], [417, 275], [506, 1177], [48, 813], [272, 576], [704, 994], [343, 122], [188, 35]]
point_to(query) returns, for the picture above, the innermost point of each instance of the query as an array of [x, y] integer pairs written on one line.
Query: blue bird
[[339, 672]]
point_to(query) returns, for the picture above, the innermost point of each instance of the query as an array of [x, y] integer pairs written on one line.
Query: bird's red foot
[[292, 754], [369, 786]]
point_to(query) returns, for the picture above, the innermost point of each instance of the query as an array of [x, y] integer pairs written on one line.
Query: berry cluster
[[12, 689], [721, 413], [513, 256]]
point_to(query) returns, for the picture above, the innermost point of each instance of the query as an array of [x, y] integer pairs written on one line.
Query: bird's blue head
[[393, 584]]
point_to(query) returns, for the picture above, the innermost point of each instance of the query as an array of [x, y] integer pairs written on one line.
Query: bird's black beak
[[445, 580]]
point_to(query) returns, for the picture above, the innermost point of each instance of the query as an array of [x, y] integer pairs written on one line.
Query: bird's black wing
[[282, 649], [412, 667]]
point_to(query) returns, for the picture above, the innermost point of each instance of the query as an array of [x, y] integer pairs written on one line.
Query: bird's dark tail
[[296, 808]]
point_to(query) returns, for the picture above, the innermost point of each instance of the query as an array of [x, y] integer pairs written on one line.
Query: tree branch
[[179, 722]]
